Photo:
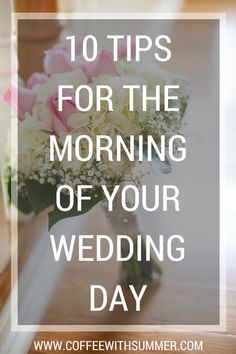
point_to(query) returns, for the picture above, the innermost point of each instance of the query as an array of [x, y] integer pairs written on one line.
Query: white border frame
[[14, 215]]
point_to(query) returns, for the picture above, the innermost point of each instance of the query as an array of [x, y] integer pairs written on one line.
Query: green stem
[[138, 272]]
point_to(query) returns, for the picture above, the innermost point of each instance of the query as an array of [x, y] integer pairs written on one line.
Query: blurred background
[[21, 343]]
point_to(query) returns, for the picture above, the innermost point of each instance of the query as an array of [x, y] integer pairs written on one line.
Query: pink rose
[[60, 119], [26, 99], [65, 46], [36, 79], [57, 60], [103, 65]]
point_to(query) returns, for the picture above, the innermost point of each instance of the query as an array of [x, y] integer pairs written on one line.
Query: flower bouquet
[[38, 176]]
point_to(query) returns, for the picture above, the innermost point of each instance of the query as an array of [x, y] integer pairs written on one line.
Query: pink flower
[[57, 60], [65, 46], [103, 65], [26, 99], [36, 79], [60, 119]]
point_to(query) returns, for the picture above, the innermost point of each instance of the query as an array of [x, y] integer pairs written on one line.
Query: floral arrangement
[[38, 177]]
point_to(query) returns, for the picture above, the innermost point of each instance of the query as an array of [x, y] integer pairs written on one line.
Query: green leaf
[[23, 203], [56, 215], [8, 183], [41, 196]]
